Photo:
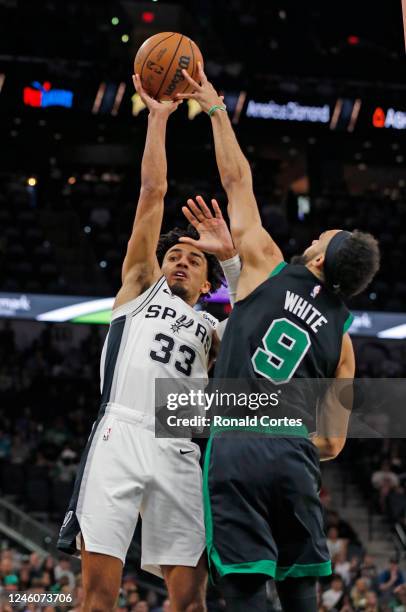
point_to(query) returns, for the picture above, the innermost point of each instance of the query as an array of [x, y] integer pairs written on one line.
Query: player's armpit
[[138, 279]]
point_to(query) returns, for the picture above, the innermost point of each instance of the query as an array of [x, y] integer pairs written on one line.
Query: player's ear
[[205, 287], [319, 260]]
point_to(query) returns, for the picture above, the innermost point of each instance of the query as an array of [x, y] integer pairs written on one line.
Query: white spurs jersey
[[156, 335]]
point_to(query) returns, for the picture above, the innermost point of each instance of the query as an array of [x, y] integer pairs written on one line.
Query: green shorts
[[262, 508]]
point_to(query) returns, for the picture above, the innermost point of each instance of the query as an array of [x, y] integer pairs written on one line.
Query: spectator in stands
[[64, 570], [368, 572], [66, 466], [129, 584], [25, 580], [141, 606], [342, 567], [390, 578], [46, 581], [384, 480], [396, 503], [398, 601], [49, 566], [19, 451], [335, 544], [384, 475], [78, 598], [355, 565], [358, 594], [333, 597], [35, 564], [11, 582], [133, 597], [152, 599], [345, 531], [56, 433], [371, 602]]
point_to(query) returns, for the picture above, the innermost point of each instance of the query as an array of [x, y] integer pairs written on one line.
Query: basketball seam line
[[169, 67], [153, 48]]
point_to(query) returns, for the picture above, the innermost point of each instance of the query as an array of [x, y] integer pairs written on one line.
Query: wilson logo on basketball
[[183, 64]]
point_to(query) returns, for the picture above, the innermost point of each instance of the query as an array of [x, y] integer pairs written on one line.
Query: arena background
[[317, 95]]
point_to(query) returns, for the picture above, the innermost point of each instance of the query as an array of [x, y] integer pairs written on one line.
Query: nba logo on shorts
[[107, 434], [315, 291]]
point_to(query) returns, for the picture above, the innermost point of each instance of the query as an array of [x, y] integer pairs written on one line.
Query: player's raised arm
[[252, 241], [215, 239], [140, 267]]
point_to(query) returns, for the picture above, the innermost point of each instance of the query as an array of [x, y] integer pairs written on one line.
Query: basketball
[[160, 61]]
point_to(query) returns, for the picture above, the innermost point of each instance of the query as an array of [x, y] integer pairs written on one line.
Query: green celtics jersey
[[289, 326]]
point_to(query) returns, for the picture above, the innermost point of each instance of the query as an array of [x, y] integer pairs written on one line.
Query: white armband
[[232, 268]]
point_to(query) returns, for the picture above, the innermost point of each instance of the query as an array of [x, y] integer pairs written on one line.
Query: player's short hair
[[356, 263], [167, 241]]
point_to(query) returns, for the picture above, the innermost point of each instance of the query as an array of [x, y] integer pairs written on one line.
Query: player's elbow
[[237, 180], [153, 190], [334, 446]]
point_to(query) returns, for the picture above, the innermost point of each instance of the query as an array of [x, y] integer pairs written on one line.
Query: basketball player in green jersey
[[263, 514]]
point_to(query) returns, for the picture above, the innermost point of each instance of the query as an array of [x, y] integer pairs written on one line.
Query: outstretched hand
[[214, 235], [204, 94], [154, 106]]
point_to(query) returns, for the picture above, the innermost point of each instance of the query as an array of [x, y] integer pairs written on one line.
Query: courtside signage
[[82, 309], [291, 111], [42, 96], [392, 118]]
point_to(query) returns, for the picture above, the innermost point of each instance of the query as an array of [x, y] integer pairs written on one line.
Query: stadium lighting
[[125, 38], [32, 181], [148, 16]]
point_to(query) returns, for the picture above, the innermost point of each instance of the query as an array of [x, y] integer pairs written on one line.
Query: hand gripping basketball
[[162, 108], [204, 94]]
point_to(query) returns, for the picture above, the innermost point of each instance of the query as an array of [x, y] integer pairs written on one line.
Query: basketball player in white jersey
[[154, 333]]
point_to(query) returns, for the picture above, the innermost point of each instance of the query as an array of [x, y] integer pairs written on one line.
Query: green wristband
[[215, 107]]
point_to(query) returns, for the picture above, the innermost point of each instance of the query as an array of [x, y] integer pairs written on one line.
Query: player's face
[[185, 269], [318, 247]]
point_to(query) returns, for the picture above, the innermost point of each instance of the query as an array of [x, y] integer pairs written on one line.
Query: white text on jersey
[[305, 311], [165, 312]]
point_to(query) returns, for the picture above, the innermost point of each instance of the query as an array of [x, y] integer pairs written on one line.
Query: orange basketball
[[159, 63]]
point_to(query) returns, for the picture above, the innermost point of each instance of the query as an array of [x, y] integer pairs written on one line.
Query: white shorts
[[125, 471]]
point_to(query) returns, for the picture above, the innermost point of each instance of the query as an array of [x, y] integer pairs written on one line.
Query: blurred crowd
[[84, 32], [31, 574], [381, 477], [357, 584], [55, 399], [76, 232]]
